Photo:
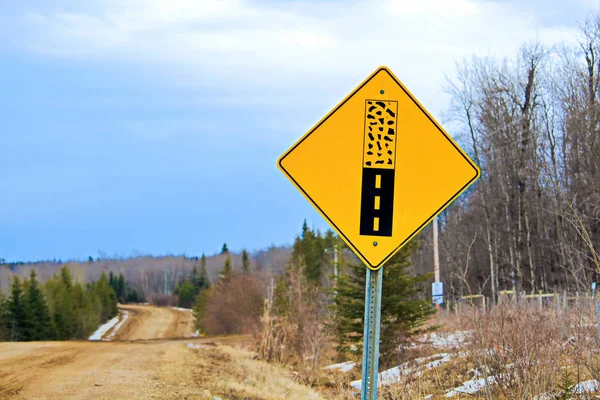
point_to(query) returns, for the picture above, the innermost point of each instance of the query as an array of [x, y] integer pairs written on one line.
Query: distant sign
[[437, 292]]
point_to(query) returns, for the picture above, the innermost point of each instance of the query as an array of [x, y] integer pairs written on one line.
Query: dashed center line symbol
[[379, 161]]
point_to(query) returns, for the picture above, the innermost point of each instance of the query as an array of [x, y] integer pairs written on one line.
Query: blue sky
[[153, 126]]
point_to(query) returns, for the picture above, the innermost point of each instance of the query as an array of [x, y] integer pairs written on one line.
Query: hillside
[[152, 276]]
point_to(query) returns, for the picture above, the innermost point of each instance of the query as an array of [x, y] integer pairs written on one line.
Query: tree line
[[59, 309], [532, 124]]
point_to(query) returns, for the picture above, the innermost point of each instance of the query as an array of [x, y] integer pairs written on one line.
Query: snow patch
[[101, 331], [472, 386], [123, 319], [441, 339], [344, 367], [587, 387], [413, 368], [182, 309]]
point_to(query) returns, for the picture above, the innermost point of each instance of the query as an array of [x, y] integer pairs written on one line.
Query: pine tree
[[224, 249], [186, 294], [200, 308], [566, 386], [15, 318], [309, 250], [203, 294], [121, 288], [402, 312], [112, 281], [245, 262], [194, 276], [2, 316], [64, 313], [40, 325], [203, 281], [226, 273], [107, 297]]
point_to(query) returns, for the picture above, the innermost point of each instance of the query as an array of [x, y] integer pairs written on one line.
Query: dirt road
[[142, 361], [147, 322]]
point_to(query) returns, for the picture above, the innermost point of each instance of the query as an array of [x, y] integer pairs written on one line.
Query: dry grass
[[233, 373], [527, 350]]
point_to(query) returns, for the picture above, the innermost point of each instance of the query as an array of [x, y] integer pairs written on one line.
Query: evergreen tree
[[226, 272], [133, 296], [194, 276], [566, 386], [60, 292], [200, 308], [402, 312], [121, 288], [203, 281], [76, 310], [40, 325], [186, 294], [2, 317], [107, 297], [309, 250], [203, 294], [224, 249], [112, 281], [66, 277], [15, 317], [245, 262]]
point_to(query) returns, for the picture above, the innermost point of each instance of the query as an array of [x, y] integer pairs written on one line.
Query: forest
[[531, 123], [59, 309]]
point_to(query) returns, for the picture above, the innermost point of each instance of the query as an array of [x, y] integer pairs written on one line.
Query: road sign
[[437, 292], [378, 168]]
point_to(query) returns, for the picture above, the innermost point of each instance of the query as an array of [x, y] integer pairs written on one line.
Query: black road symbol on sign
[[378, 170]]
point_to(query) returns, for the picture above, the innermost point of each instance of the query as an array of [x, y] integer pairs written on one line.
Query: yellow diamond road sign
[[378, 168]]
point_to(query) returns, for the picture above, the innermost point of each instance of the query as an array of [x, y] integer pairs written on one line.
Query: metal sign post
[[371, 337]]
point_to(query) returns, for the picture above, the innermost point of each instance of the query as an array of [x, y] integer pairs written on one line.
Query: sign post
[[370, 367], [379, 169]]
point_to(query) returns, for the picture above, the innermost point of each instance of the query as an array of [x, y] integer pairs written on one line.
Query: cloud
[[282, 47]]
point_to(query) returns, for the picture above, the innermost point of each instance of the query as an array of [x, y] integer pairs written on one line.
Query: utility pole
[[436, 252], [436, 256], [335, 262]]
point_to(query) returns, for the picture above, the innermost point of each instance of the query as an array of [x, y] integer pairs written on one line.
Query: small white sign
[[437, 289]]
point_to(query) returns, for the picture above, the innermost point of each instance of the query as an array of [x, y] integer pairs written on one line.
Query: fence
[[561, 301]]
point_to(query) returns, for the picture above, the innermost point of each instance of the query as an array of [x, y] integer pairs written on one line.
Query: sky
[[154, 126]]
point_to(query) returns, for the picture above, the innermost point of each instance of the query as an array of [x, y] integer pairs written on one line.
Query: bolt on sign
[[378, 168]]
